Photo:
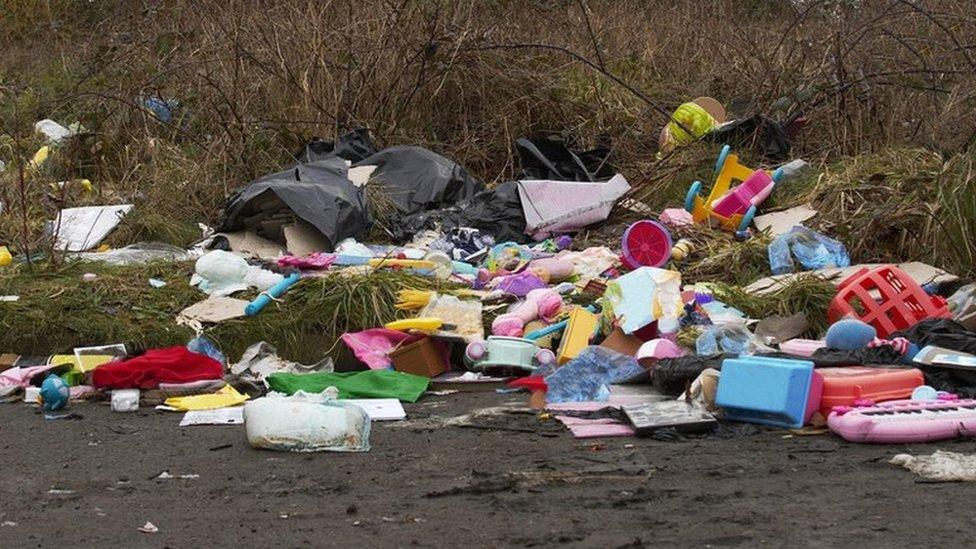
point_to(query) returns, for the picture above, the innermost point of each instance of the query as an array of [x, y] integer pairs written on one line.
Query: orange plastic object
[[844, 386], [886, 298]]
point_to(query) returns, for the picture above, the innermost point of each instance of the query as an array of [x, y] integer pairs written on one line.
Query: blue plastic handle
[[557, 327], [277, 290], [720, 161]]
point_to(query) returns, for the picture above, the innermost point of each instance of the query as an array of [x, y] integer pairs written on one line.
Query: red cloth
[[146, 371], [532, 383]]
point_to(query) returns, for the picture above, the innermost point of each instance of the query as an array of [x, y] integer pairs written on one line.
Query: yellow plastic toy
[[579, 329], [747, 193], [421, 324]]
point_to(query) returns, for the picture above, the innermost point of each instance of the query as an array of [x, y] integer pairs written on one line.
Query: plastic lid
[[925, 392]]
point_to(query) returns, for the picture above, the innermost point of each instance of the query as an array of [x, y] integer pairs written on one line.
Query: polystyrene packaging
[[306, 422]]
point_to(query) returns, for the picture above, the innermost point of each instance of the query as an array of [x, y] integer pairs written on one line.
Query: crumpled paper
[[941, 466]]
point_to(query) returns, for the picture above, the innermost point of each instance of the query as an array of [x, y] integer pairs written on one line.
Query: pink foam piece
[[676, 217], [596, 428], [316, 260], [802, 347], [373, 346]]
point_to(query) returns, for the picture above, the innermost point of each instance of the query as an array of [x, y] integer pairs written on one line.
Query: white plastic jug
[[125, 400]]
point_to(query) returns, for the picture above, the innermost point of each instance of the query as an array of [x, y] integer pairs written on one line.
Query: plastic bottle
[[794, 168], [125, 400]]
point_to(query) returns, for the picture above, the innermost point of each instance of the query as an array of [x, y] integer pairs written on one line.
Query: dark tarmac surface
[[500, 481]]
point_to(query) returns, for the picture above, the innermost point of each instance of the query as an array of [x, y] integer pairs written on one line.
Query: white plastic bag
[[221, 273], [306, 422]]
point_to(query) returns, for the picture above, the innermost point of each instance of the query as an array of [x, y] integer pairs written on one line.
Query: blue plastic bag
[[588, 376], [811, 249], [204, 346]]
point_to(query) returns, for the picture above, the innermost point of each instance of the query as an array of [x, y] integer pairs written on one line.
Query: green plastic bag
[[368, 384]]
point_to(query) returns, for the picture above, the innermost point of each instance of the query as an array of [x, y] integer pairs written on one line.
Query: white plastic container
[[306, 422], [125, 400], [31, 394]]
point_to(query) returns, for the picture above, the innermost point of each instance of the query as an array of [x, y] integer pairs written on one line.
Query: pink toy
[[543, 303], [658, 349], [903, 421], [750, 192]]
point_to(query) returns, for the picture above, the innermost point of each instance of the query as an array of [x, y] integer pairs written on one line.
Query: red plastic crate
[[886, 298]]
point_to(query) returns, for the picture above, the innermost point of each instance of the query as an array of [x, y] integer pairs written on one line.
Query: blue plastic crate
[[769, 391]]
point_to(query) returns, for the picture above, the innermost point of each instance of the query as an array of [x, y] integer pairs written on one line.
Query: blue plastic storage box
[[770, 391]]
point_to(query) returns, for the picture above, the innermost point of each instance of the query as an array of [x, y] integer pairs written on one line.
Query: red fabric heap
[[147, 371]]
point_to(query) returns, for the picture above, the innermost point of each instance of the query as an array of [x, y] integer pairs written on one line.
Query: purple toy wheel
[[645, 244], [544, 357]]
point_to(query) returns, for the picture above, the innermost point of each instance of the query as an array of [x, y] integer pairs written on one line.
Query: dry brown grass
[[258, 79]]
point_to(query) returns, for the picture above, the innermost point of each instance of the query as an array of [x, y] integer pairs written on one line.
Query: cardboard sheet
[[246, 242], [781, 222], [303, 239], [920, 272], [213, 310]]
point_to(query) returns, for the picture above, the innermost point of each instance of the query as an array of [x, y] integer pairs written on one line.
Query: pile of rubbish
[[610, 340]]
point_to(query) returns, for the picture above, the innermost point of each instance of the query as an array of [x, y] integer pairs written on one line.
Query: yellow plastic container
[[5, 257]]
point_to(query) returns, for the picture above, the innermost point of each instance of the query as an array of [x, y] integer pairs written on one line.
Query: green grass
[[58, 310], [808, 294]]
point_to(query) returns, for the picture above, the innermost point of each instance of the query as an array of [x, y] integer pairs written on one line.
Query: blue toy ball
[[850, 334], [54, 393]]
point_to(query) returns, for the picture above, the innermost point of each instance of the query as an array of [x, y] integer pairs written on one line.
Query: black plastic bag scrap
[[758, 132], [418, 179], [353, 146], [497, 212], [552, 160]]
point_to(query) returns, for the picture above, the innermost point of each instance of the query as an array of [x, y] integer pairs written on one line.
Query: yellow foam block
[[86, 364], [224, 398]]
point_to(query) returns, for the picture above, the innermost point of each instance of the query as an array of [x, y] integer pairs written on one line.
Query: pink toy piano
[[903, 421], [751, 192]]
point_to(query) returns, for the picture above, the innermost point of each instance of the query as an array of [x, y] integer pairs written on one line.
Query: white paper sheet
[[220, 416], [380, 409]]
